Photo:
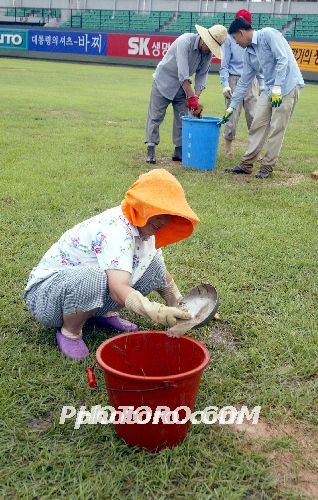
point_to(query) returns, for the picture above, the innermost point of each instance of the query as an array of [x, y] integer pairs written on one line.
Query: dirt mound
[[295, 471]]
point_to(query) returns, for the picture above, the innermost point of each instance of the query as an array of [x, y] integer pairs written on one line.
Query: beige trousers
[[248, 103], [269, 127]]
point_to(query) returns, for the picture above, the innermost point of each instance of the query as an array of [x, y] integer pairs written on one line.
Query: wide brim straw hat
[[213, 37]]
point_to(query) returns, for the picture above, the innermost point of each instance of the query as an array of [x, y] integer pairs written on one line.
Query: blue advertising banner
[[13, 39], [68, 42]]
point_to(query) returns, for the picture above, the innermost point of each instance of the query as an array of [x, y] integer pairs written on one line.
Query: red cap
[[245, 14]]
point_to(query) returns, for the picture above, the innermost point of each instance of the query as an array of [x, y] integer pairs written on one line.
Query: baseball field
[[71, 144]]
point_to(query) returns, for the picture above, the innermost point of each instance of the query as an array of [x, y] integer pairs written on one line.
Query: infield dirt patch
[[294, 471]]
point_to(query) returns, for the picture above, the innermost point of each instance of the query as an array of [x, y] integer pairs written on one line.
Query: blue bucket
[[200, 141]]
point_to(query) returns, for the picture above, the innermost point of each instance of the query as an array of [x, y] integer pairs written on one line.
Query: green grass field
[[71, 144]]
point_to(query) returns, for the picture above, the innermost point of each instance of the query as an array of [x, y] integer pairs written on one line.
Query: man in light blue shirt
[[189, 54], [230, 71], [267, 51]]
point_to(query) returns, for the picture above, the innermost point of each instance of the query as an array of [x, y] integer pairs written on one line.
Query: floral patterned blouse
[[108, 240]]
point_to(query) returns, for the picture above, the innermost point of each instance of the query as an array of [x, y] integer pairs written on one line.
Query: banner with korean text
[[306, 55], [68, 42], [140, 46]]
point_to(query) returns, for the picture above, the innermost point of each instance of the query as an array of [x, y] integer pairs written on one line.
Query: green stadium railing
[[298, 26], [25, 12]]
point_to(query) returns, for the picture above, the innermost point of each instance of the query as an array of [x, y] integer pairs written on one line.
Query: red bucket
[[153, 370]]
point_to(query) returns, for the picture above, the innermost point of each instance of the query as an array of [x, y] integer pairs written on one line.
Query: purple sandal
[[113, 323], [72, 348]]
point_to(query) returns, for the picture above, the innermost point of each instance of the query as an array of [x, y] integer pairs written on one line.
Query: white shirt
[[107, 240]]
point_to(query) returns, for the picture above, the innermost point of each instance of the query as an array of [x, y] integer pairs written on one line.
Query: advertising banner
[[138, 46], [68, 42], [13, 39], [306, 55]]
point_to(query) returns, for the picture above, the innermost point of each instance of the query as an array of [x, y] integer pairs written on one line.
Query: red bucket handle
[[92, 382], [91, 378]]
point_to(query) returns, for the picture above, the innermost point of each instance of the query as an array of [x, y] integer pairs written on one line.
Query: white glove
[[260, 89], [277, 90], [171, 294], [166, 316], [227, 92]]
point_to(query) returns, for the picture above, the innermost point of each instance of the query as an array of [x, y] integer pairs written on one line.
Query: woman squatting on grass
[[113, 260]]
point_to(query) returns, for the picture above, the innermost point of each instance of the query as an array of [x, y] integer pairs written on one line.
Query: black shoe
[[151, 156], [238, 170], [177, 155], [263, 174]]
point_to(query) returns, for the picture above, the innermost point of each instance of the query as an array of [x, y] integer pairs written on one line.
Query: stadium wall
[[117, 48], [269, 7]]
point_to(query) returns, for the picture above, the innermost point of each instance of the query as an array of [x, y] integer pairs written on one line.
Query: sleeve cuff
[[187, 79]]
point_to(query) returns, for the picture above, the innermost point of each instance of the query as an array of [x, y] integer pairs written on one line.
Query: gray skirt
[[84, 288]]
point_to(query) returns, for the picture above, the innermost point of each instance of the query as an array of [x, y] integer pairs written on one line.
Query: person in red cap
[[245, 14], [230, 72]]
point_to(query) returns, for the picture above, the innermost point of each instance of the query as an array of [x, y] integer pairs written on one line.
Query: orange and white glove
[[166, 316], [171, 294]]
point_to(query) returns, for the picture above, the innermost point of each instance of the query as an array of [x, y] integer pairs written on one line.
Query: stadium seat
[[305, 26]]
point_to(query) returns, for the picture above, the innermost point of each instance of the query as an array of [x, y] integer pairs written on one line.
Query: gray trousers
[[269, 127], [156, 112], [86, 289], [248, 103]]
